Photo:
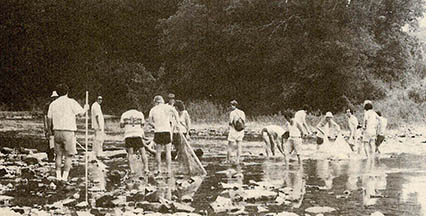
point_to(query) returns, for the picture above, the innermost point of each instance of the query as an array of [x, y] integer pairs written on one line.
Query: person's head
[[328, 116], [368, 106], [379, 113], [158, 100], [171, 99], [288, 115], [99, 100], [349, 112], [234, 104], [180, 106], [54, 95], [62, 89]]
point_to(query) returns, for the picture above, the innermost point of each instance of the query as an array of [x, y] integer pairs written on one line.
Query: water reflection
[[295, 180]]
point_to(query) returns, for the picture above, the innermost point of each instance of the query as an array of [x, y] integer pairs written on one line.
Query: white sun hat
[[54, 94], [329, 114]]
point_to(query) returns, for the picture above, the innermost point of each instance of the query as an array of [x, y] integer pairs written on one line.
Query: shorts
[[234, 135], [65, 142], [368, 137], [133, 142], [293, 144], [379, 140], [162, 138]]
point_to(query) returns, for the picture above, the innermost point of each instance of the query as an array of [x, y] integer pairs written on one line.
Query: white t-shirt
[[293, 129], [97, 111], [235, 115], [132, 120], [275, 129], [353, 123], [383, 125], [161, 116], [371, 122], [300, 117], [62, 111]]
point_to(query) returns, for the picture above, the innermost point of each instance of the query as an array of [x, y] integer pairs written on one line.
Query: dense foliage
[[269, 55]]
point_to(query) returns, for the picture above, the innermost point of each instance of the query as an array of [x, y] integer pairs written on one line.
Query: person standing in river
[[370, 124], [62, 118], [237, 121], [98, 124], [160, 117]]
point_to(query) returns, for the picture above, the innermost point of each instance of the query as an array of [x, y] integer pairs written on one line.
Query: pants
[[98, 141]]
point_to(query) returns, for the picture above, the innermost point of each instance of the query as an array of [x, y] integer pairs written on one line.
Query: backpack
[[239, 125]]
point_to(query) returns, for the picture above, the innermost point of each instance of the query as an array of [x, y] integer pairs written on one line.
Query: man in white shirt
[[370, 124], [235, 135], [62, 113], [133, 121], [295, 137], [98, 124], [272, 136], [383, 122], [300, 117], [160, 117]]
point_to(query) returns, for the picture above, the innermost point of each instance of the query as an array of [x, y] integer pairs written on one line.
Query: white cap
[[54, 94], [367, 102], [329, 114]]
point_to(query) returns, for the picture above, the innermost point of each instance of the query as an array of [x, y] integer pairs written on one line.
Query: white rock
[[287, 214], [222, 204], [8, 212], [319, 209], [261, 209], [377, 213], [83, 213]]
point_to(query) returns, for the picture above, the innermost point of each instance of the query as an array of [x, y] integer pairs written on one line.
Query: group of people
[[170, 122], [371, 131]]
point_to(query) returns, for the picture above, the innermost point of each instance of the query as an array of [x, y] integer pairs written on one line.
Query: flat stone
[[320, 209], [182, 207]]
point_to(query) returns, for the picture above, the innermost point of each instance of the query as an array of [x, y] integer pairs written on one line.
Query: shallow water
[[393, 184]]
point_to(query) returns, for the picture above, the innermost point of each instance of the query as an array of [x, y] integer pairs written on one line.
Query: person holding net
[[184, 125]]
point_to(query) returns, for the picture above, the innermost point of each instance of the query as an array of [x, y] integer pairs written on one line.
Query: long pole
[[86, 155]]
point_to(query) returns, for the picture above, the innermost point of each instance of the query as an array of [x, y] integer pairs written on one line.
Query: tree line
[[269, 55]]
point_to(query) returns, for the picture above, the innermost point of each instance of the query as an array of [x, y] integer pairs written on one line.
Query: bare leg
[[239, 150], [67, 166], [58, 164], [267, 143], [228, 156], [169, 157], [130, 153], [144, 159], [366, 148], [372, 148], [158, 157]]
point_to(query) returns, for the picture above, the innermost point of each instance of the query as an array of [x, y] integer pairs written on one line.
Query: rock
[[154, 206], [261, 209], [115, 154], [84, 213], [6, 150], [230, 185], [37, 212], [377, 213], [105, 202], [8, 212], [32, 159], [3, 172], [287, 214], [182, 207], [222, 204], [82, 204], [258, 194], [318, 209]]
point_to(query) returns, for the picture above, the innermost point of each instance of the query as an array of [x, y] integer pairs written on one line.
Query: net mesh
[[188, 161]]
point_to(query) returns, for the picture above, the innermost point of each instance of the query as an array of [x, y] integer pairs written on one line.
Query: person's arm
[[305, 125], [336, 126], [78, 110], [319, 125], [49, 121]]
